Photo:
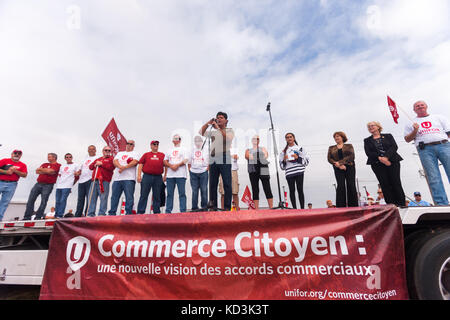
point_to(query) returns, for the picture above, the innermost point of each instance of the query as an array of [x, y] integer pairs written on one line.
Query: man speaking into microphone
[[220, 158]]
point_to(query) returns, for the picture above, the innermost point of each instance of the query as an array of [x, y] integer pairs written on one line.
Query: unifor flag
[[114, 138], [247, 199], [393, 109]]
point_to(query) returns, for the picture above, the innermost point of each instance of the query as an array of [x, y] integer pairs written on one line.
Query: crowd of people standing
[[212, 163]]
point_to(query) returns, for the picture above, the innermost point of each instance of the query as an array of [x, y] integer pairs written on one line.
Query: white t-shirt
[[66, 176], [234, 162], [199, 160], [174, 156], [432, 128], [86, 174], [123, 158]]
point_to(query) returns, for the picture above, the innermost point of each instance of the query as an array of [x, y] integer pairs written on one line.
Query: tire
[[413, 243], [430, 273]]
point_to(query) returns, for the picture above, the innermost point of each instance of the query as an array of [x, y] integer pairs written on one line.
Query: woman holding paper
[[294, 160], [382, 156]]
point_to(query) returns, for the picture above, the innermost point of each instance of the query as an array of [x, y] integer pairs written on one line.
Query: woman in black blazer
[[382, 156]]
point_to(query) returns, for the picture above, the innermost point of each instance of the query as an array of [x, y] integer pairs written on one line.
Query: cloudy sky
[[165, 67]]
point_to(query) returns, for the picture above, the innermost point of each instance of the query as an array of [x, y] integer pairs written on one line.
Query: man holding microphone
[[220, 158]]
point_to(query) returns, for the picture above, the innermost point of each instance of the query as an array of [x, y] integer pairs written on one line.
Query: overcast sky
[[165, 67]]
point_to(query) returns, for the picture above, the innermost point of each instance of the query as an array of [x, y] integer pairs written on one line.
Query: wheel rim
[[444, 280]]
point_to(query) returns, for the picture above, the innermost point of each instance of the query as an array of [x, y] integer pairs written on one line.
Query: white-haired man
[[430, 134]]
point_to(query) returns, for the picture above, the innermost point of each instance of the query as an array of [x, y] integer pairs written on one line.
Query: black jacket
[[389, 145]]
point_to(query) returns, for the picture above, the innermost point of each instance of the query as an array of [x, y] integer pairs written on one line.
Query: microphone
[[268, 107]]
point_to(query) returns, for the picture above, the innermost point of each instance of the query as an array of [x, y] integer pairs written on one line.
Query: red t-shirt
[[49, 178], [106, 170], [153, 163], [9, 162]]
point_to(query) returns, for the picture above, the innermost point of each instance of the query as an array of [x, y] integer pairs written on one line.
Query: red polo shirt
[[106, 170], [153, 163], [9, 162], [49, 178]]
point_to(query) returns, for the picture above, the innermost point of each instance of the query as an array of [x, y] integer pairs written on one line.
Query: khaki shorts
[[234, 183]]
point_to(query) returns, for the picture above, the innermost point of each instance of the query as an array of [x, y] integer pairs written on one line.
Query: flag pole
[[406, 114], [91, 190]]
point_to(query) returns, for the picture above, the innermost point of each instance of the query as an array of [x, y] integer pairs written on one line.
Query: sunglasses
[[107, 150], [130, 144]]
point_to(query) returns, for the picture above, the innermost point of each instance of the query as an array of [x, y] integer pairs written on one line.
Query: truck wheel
[[413, 243], [431, 268]]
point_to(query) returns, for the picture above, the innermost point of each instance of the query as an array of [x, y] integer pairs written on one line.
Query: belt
[[8, 181], [435, 143]]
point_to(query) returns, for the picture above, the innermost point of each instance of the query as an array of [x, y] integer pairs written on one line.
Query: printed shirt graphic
[[152, 163], [66, 176], [431, 129], [9, 162], [128, 174], [199, 160], [86, 173], [175, 156]]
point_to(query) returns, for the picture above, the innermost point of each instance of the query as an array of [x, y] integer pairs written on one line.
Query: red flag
[[393, 109], [247, 198], [114, 138]]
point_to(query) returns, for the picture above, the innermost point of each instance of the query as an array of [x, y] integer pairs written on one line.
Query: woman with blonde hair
[[342, 157], [382, 156], [258, 169]]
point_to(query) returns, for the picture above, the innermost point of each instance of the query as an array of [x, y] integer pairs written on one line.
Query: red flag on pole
[[393, 109], [367, 192], [114, 138], [247, 198]]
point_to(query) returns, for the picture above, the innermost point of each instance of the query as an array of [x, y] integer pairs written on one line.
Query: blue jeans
[[215, 170], [127, 187], [199, 181], [181, 185], [7, 190], [103, 199], [83, 197], [149, 182], [42, 189], [429, 158], [61, 201]]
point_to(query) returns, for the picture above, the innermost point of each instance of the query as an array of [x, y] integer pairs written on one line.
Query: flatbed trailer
[[24, 246]]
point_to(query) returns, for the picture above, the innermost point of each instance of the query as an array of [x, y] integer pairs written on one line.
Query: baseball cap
[[417, 193]]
